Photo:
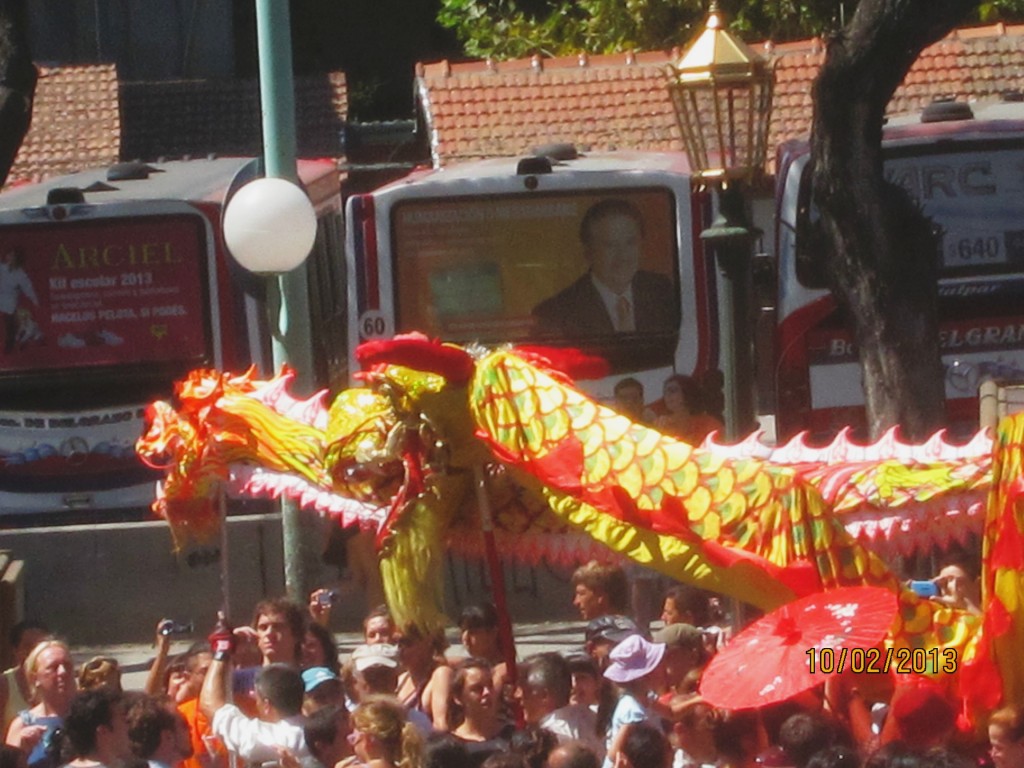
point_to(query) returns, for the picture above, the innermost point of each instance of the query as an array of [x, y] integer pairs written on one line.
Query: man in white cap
[[376, 671]]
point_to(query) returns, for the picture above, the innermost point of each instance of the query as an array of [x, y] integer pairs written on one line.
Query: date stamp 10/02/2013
[[918, 661]]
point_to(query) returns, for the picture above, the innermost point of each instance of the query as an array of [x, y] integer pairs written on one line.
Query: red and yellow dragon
[[405, 452]]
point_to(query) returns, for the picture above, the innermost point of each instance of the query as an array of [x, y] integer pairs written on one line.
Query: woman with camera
[[51, 674]]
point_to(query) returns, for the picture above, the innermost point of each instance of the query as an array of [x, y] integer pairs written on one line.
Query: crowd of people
[[275, 692], [689, 409]]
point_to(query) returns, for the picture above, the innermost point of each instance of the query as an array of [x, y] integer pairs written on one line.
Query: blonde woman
[[51, 674], [382, 737], [15, 691]]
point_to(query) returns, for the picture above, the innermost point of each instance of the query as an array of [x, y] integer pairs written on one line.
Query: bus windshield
[[973, 194], [507, 268], [976, 198]]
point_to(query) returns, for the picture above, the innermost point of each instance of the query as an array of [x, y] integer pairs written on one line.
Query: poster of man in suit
[[615, 295], [595, 269]]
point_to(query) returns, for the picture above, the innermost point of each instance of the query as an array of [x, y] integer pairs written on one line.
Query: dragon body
[[404, 455]]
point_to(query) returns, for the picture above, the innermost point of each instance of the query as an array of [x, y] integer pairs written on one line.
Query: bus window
[[810, 239], [553, 268], [975, 197], [327, 304]]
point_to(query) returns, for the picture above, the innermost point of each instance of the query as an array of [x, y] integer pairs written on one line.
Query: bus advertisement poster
[[474, 268], [95, 446], [103, 293]]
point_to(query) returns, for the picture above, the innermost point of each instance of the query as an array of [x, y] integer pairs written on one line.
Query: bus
[[492, 252], [964, 166], [114, 283], [485, 251]]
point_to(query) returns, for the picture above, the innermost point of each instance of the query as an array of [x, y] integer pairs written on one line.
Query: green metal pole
[[277, 88], [290, 341], [731, 238]]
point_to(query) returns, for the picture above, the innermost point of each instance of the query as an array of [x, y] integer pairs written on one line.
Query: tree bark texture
[[18, 77], [880, 253]]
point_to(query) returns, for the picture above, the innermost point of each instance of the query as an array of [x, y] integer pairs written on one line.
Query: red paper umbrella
[[769, 660]]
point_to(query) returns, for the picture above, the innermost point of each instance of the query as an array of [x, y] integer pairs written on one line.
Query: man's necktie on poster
[[623, 315]]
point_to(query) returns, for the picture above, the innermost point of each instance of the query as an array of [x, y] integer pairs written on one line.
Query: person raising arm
[[279, 692]]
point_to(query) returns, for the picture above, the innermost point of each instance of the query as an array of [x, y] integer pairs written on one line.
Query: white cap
[[376, 655]]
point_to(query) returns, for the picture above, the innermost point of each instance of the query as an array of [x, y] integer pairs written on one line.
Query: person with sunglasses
[[426, 679]]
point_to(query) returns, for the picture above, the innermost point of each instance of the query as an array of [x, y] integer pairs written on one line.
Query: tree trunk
[[17, 85], [880, 252]]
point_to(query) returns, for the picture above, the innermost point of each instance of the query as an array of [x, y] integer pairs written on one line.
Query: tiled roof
[[197, 117], [75, 122], [486, 108], [83, 118]]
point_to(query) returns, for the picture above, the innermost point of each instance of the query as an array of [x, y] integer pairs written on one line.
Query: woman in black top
[[475, 708]]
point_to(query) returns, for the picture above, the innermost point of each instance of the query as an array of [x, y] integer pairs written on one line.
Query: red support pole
[[497, 574]]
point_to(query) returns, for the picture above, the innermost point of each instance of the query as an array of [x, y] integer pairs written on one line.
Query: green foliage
[[507, 29], [991, 11]]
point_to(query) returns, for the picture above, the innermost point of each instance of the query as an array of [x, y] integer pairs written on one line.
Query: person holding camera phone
[[956, 586], [321, 601], [319, 648], [165, 676]]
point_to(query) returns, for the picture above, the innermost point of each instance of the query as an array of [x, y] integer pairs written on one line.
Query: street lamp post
[[721, 92], [730, 237], [270, 227]]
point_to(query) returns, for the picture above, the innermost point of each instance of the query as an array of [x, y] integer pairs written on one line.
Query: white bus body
[[465, 253]]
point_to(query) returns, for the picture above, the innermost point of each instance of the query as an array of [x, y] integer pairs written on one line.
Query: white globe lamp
[[270, 226]]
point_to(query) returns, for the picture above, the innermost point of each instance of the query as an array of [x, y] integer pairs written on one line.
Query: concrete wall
[[112, 583]]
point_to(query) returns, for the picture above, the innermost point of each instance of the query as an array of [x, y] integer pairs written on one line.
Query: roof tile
[[621, 100], [83, 117], [75, 123]]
